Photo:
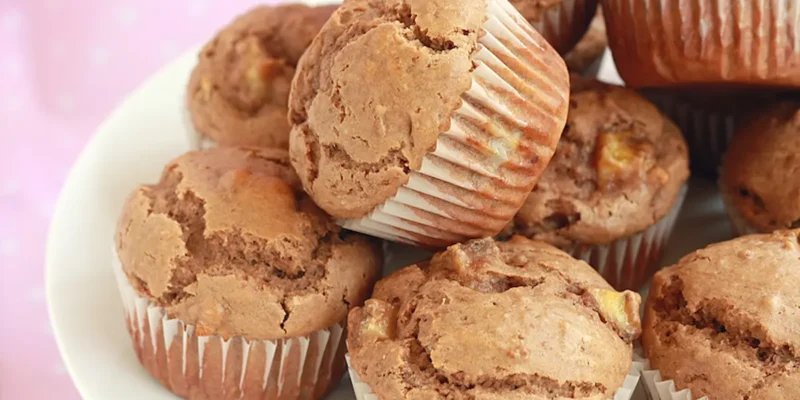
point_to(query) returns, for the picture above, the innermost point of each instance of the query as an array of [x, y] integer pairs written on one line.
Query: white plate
[[130, 148]]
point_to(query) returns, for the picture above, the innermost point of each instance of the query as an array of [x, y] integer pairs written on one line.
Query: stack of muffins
[[251, 269]]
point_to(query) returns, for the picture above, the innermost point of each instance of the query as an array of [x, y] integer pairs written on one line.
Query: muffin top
[[374, 91], [761, 170], [562, 22], [228, 242], [725, 321], [618, 169], [239, 90], [591, 46], [518, 319]]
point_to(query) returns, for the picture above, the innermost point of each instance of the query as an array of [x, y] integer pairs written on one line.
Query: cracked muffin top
[[761, 170], [228, 241], [618, 169], [495, 320], [373, 93], [239, 90], [725, 321]]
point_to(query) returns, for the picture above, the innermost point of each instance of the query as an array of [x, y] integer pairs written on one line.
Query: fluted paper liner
[[470, 186], [564, 24], [741, 226], [200, 366], [657, 388], [629, 262], [363, 391], [708, 132], [667, 42]]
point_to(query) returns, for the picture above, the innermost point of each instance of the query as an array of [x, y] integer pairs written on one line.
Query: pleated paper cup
[[708, 130], [197, 366], [629, 262], [364, 392], [657, 388], [741, 226], [731, 42], [497, 145], [565, 23]]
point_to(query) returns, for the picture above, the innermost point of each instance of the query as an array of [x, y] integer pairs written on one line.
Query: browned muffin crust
[[577, 14], [486, 320], [374, 91], [239, 90], [591, 46], [618, 169], [725, 321], [761, 170], [227, 241]]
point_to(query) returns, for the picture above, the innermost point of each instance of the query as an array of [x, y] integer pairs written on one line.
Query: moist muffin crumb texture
[[725, 321], [227, 241], [486, 320]]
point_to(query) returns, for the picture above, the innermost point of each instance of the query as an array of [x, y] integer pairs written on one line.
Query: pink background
[[64, 64]]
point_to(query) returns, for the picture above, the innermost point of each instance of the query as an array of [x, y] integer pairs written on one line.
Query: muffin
[[234, 283], [707, 119], [485, 320], [760, 179], [705, 42], [612, 193], [561, 22], [239, 90], [725, 322], [585, 57], [426, 121]]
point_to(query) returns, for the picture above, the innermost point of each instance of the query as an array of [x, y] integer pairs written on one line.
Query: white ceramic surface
[[137, 139]]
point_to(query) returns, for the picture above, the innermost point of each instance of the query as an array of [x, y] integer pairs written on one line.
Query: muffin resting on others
[[227, 259], [561, 22], [238, 92], [725, 321], [760, 179], [485, 320], [611, 194], [734, 43], [426, 121]]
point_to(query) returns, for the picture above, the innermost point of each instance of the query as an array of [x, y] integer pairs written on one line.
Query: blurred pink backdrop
[[64, 64]]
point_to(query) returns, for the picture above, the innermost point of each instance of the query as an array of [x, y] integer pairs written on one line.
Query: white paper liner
[[657, 388], [192, 365], [708, 132], [565, 23], [363, 391], [463, 189], [741, 226], [629, 262]]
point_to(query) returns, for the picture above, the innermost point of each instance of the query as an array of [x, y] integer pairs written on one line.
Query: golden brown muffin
[[561, 22], [387, 85], [618, 169], [705, 42], [238, 92], [725, 321], [761, 171], [228, 243], [485, 320], [591, 47]]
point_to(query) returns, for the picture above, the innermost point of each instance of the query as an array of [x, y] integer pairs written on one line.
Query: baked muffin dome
[[561, 22], [725, 320], [618, 169], [489, 320], [228, 242], [239, 90], [761, 170]]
